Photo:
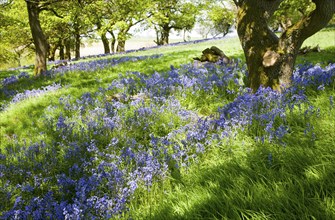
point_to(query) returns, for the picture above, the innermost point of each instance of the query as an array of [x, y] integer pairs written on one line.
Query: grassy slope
[[231, 181], [238, 180], [76, 83]]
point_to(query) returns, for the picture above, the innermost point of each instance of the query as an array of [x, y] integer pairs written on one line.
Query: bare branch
[[52, 10]]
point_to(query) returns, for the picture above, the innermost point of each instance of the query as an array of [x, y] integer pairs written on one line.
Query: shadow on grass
[[292, 182]]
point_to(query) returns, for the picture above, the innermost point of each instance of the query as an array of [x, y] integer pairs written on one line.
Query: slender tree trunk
[[77, 45], [52, 51], [158, 36], [40, 42], [165, 35], [67, 44], [104, 38], [105, 42], [77, 41], [270, 59], [61, 52], [113, 40]]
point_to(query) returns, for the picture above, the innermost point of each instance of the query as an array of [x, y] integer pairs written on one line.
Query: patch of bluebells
[[314, 76], [9, 92], [96, 162], [103, 149], [209, 78], [35, 93], [14, 79], [9, 80], [94, 65], [266, 112]]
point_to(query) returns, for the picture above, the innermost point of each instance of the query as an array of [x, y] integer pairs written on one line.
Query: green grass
[[237, 180], [233, 180]]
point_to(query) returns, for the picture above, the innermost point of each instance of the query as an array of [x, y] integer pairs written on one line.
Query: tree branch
[[52, 10], [312, 23]]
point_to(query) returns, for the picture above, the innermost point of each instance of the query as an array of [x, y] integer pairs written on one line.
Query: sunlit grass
[[236, 178], [240, 180]]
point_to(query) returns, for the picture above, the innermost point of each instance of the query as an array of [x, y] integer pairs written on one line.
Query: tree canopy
[[47, 26]]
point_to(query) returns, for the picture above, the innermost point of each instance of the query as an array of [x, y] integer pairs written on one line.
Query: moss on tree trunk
[[271, 59]]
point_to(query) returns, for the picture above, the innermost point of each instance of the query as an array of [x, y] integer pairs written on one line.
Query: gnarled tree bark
[[270, 59], [40, 42]]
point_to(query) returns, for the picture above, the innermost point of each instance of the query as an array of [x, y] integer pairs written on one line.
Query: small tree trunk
[[113, 41], [158, 36], [121, 44], [104, 38], [52, 52], [40, 42], [162, 34], [67, 44], [165, 35], [77, 45], [61, 52], [121, 40], [105, 42]]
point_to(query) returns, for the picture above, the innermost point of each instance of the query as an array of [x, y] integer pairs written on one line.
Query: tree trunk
[[121, 39], [67, 44], [158, 37], [104, 38], [61, 52], [105, 42], [40, 42], [77, 45], [162, 34], [113, 41], [52, 51], [165, 35], [270, 59], [76, 27], [121, 45]]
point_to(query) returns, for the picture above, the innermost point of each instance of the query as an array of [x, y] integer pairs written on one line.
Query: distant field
[[230, 45]]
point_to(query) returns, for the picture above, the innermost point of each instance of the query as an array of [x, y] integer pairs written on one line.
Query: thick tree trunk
[[270, 59], [40, 42]]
